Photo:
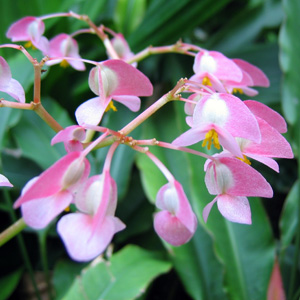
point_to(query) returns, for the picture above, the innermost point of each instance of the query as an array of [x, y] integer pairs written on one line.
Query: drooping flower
[[72, 137], [29, 29], [63, 45], [4, 181], [88, 232], [217, 119], [233, 181], [46, 196], [8, 84], [117, 80], [175, 223]]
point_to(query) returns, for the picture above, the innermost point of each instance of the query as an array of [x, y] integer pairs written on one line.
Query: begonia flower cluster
[[239, 131]]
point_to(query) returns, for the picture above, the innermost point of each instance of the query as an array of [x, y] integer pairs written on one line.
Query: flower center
[[64, 63], [206, 81], [110, 106], [211, 137], [245, 160], [237, 90]]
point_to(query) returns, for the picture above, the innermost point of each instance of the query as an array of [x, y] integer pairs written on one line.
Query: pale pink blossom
[[175, 223], [113, 80], [88, 232], [4, 181], [63, 45], [29, 29], [233, 181], [72, 137], [9, 85], [46, 196], [218, 119]]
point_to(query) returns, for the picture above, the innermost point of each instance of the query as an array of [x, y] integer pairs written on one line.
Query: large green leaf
[[125, 276], [289, 218], [8, 283], [290, 60], [247, 252]]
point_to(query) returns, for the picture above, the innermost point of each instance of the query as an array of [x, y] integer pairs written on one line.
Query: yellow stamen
[[67, 209], [211, 137], [237, 90], [245, 160], [64, 63], [206, 81], [29, 45], [110, 106]]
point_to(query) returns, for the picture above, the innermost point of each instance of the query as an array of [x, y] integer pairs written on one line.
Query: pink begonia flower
[[87, 233], [72, 137], [269, 115], [63, 45], [4, 181], [29, 29], [272, 144], [217, 119], [117, 80], [232, 181], [46, 196], [9, 85], [176, 223], [122, 48]]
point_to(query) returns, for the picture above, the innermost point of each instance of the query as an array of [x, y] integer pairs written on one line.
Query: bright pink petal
[[234, 208], [15, 90], [272, 144], [40, 212], [83, 243], [5, 73], [42, 44], [234, 177], [4, 181], [276, 288], [208, 208], [270, 162], [132, 102], [258, 76], [170, 229], [26, 29], [271, 116], [130, 80], [216, 63], [190, 137], [91, 111], [51, 181]]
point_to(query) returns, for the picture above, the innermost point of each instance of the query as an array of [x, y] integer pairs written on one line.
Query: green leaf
[[128, 15], [33, 135], [125, 276], [290, 60], [8, 283], [288, 219]]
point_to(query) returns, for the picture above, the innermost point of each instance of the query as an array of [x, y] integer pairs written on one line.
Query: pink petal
[[80, 239], [5, 73], [243, 181], [132, 102], [91, 111], [40, 212], [50, 181], [170, 229], [234, 208], [15, 90], [271, 163], [18, 31], [224, 68], [207, 209], [130, 80], [42, 44], [272, 144], [271, 116], [4, 181], [258, 76], [190, 137]]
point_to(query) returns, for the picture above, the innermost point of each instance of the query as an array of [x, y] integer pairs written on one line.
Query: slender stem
[[45, 116], [12, 231], [6, 103], [21, 48]]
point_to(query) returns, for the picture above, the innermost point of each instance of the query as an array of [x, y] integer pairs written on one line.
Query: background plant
[[240, 258]]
